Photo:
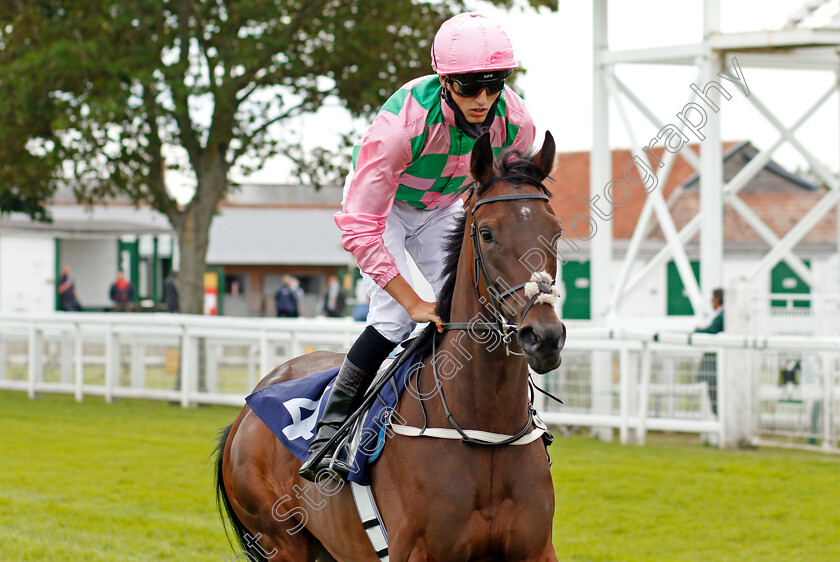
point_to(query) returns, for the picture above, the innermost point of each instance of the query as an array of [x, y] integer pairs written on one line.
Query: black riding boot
[[339, 406], [354, 377]]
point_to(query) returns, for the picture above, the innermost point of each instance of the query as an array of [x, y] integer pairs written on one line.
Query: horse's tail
[[225, 508]]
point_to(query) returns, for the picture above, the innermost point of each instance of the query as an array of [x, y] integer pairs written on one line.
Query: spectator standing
[[287, 298], [335, 300], [716, 324], [708, 364], [67, 291], [170, 292], [122, 293], [298, 292]]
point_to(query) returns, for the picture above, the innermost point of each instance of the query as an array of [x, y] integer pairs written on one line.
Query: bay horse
[[440, 499]]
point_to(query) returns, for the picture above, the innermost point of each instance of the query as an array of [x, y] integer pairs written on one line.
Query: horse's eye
[[486, 235]]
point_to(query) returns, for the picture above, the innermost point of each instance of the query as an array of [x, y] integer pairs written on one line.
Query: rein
[[540, 289]]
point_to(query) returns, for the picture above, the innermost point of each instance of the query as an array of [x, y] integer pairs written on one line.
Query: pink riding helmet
[[471, 42]]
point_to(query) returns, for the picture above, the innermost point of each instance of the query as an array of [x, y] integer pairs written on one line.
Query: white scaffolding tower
[[793, 47]]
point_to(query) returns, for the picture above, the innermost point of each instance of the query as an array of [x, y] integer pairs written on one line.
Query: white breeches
[[422, 234]]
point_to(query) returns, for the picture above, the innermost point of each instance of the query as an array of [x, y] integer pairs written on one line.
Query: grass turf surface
[[133, 481]]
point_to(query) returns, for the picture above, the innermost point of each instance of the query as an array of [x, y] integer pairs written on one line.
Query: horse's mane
[[513, 167]]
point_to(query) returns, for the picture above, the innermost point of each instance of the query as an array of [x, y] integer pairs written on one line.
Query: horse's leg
[[264, 503]]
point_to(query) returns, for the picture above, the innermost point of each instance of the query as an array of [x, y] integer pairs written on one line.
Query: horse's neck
[[487, 384]]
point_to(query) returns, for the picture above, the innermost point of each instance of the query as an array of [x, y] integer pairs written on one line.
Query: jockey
[[404, 192]]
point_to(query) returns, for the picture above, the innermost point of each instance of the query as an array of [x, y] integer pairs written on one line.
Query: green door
[[784, 280], [129, 262], [576, 280], [678, 301]]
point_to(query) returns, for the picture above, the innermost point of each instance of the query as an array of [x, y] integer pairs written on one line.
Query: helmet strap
[[472, 130]]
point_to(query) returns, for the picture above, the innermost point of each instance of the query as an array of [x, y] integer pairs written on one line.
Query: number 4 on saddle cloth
[[291, 410]]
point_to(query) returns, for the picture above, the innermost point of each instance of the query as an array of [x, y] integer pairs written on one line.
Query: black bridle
[[500, 324], [496, 301]]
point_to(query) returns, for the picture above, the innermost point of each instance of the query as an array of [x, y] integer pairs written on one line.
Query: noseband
[[539, 289]]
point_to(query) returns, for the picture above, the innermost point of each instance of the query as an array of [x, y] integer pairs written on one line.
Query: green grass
[[93, 481], [683, 501], [132, 481]]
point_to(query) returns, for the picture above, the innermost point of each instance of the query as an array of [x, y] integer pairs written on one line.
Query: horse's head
[[514, 233]]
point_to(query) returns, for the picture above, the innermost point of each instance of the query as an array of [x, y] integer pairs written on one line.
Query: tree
[[107, 95]]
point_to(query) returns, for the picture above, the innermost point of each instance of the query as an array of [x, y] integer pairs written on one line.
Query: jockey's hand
[[418, 309], [424, 311]]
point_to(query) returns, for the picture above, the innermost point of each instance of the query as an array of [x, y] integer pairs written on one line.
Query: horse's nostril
[[528, 339], [536, 338]]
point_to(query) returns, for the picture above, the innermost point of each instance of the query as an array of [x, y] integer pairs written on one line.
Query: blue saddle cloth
[[291, 410]]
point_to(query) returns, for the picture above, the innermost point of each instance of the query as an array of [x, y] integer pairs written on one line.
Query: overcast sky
[[556, 49]]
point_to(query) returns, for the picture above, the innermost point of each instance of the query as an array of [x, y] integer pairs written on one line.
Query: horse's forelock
[[516, 168]]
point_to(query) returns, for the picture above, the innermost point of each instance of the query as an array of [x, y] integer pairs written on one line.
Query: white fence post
[[827, 402], [669, 368], [78, 358], [36, 358], [3, 359], [112, 358], [186, 368], [265, 366], [252, 367], [138, 366], [66, 357], [294, 347], [644, 394], [539, 397], [213, 353], [601, 375], [624, 393], [735, 382]]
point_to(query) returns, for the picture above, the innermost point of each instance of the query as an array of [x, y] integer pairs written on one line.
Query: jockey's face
[[474, 108]]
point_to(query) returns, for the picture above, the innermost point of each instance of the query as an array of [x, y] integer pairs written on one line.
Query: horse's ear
[[545, 157], [481, 162]]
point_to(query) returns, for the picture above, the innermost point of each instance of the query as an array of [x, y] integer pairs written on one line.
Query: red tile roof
[[780, 201], [571, 183]]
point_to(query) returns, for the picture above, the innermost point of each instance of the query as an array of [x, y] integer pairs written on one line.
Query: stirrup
[[335, 469], [336, 411]]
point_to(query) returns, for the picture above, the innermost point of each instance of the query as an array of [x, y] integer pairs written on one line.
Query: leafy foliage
[[107, 95]]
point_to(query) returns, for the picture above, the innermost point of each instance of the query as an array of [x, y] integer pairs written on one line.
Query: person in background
[[335, 300], [287, 298], [716, 324], [67, 291], [122, 293], [298, 292], [170, 292], [708, 364]]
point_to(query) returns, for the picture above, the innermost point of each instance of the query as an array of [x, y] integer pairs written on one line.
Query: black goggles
[[470, 85]]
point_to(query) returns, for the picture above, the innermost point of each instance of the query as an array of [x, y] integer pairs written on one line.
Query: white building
[[259, 234]]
